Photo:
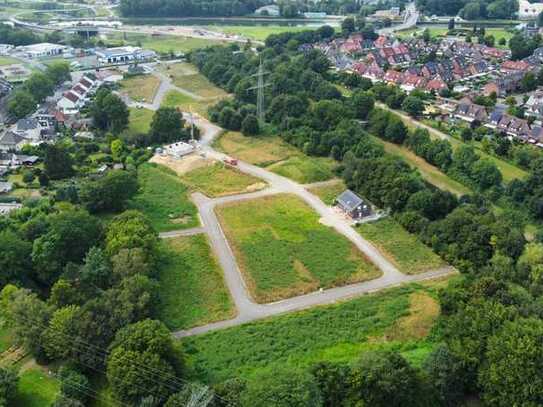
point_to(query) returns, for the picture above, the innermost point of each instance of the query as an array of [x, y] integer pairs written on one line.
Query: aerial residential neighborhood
[[271, 204]]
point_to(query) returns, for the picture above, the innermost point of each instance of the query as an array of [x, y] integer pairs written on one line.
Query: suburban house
[[353, 205], [10, 141], [77, 96], [470, 112]]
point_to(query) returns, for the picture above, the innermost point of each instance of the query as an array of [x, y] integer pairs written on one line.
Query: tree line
[[185, 8]]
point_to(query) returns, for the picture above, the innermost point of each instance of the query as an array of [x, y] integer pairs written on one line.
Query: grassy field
[[163, 44], [410, 255], [329, 193], [141, 88], [139, 121], [192, 290], [399, 318], [186, 76], [186, 103], [284, 251], [430, 173], [36, 389], [278, 156], [8, 61], [219, 180], [164, 199], [498, 33], [259, 33]]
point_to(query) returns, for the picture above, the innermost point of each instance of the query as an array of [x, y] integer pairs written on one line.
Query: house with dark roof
[[353, 205], [470, 112], [10, 141]]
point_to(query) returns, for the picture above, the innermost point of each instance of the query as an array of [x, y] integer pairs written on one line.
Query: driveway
[[247, 309]]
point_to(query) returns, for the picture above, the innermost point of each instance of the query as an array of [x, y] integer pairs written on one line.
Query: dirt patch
[[256, 187], [423, 311], [183, 165]]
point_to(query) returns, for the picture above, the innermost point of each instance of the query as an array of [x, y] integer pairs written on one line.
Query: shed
[[353, 205]]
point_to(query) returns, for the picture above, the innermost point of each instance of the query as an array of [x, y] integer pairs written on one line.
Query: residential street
[[247, 309]]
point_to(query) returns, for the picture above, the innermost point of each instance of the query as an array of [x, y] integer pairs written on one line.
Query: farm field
[[192, 290], [139, 122], [164, 199], [399, 318], [277, 156], [328, 193], [141, 88], [218, 180], [430, 173], [284, 251], [410, 255], [36, 389], [186, 76]]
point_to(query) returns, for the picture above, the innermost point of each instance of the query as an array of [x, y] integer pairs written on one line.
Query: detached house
[[10, 141], [470, 112]]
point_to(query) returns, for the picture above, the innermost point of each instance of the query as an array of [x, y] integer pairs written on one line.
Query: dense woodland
[[186, 8], [496, 306], [470, 10]]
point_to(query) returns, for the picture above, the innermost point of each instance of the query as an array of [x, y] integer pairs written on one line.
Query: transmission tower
[[260, 85]]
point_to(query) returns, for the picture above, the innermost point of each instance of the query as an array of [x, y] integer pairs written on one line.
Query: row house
[[396, 55], [77, 96], [534, 104], [514, 127], [470, 112], [371, 71], [409, 82], [516, 66], [504, 85]]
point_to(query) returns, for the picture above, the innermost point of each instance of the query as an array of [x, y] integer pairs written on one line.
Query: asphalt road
[[247, 309]]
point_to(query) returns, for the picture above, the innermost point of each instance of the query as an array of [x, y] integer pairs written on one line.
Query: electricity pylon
[[260, 85]]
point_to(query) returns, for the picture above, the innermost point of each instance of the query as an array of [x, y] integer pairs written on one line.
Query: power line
[[260, 91]]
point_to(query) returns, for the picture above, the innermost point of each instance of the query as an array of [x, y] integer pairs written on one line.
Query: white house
[[10, 141], [69, 103], [527, 10], [43, 49]]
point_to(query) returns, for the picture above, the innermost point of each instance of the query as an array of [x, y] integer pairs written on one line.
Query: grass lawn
[[398, 318], [192, 290], [141, 88], [278, 156], [168, 43], [430, 173], [186, 103], [284, 251], [402, 248], [186, 77], [328, 193], [139, 121], [8, 61], [164, 199], [259, 33], [36, 389], [218, 180]]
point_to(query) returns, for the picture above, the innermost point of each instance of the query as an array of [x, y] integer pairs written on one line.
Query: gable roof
[[10, 138], [27, 123], [349, 200]]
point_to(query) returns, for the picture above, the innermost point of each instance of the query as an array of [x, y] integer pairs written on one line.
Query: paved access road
[[247, 309]]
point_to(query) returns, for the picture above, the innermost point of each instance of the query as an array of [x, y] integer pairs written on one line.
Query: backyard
[[277, 156], [398, 318], [284, 251], [164, 199], [217, 179], [409, 254], [192, 290], [36, 388]]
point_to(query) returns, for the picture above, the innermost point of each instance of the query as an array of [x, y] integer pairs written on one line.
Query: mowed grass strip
[[276, 155], [36, 389], [218, 180], [141, 87], [284, 251], [192, 290], [336, 333], [164, 199], [429, 172], [402, 248]]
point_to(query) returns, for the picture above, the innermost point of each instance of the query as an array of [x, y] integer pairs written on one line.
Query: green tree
[[21, 104], [8, 386], [451, 24], [59, 334], [486, 174], [58, 163], [396, 131], [348, 26], [511, 375], [110, 192], [39, 85], [413, 106], [15, 261], [168, 126], [446, 375], [131, 230], [281, 388], [74, 384], [250, 125], [384, 379], [363, 104], [58, 72], [109, 112], [117, 148]]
